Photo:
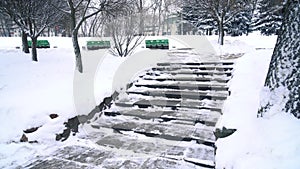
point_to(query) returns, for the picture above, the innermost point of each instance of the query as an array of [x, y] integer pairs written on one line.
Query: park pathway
[[165, 119]]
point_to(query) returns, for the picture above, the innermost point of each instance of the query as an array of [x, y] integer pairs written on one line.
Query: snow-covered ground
[[30, 92], [271, 142]]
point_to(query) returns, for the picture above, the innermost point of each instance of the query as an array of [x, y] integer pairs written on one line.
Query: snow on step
[[74, 157], [204, 76], [206, 117], [217, 69], [140, 82], [200, 67], [90, 158], [163, 163], [189, 71], [173, 103], [167, 130], [127, 151], [57, 163], [182, 85], [139, 146], [200, 63], [188, 78], [185, 94], [85, 157], [150, 163]]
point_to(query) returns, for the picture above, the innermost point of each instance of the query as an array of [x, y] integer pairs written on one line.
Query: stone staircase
[[166, 119]]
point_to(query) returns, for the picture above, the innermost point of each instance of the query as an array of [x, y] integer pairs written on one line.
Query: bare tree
[[166, 11], [284, 68], [154, 16], [165, 8], [93, 26], [157, 10], [143, 7], [80, 10], [157, 6], [32, 16], [125, 35], [64, 24], [140, 5]]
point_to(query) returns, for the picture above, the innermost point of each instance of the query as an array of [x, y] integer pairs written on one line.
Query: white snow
[[262, 143], [30, 91]]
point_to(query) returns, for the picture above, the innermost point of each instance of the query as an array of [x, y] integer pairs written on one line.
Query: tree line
[[124, 20], [233, 17], [91, 17]]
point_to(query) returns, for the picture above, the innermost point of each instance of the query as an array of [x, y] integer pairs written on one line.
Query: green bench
[[157, 44], [94, 45], [40, 44]]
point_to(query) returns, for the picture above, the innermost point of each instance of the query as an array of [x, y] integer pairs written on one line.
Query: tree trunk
[[76, 47], [153, 22], [25, 47], [48, 31], [77, 51], [141, 22], [159, 22], [285, 63], [33, 49], [3, 33], [221, 32]]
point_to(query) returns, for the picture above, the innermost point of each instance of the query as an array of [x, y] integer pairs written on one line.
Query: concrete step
[[115, 150], [193, 72], [200, 133], [200, 67], [212, 105], [163, 163], [194, 69], [177, 94], [118, 162], [197, 64], [157, 147], [74, 157], [186, 78], [182, 85], [205, 117], [55, 162]]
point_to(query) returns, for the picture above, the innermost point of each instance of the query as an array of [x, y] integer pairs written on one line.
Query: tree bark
[[48, 31], [77, 51], [33, 49], [75, 30], [221, 32], [154, 22], [141, 17], [285, 63], [159, 21], [160, 3], [141, 24], [25, 47]]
